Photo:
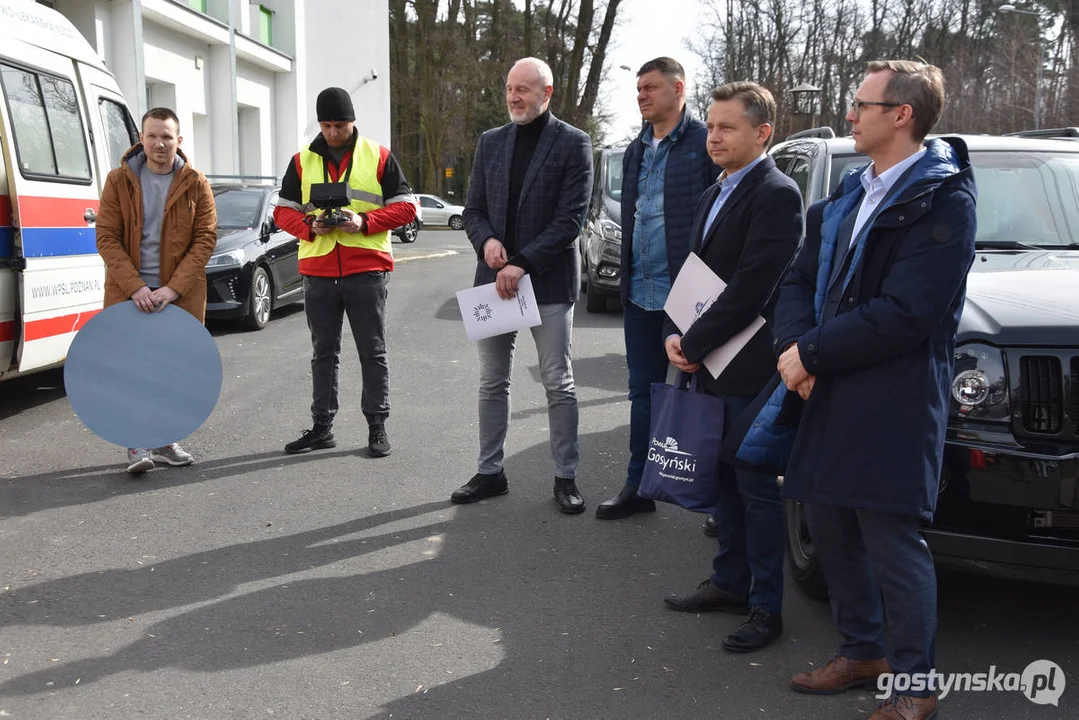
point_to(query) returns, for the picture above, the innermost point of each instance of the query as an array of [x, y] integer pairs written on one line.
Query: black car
[[1009, 490], [255, 266], [600, 240]]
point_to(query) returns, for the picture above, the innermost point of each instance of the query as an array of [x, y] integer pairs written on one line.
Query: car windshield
[[1024, 198], [238, 209], [614, 176]]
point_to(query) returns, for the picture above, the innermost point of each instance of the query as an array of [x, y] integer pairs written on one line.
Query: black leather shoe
[[568, 496], [378, 442], [624, 504], [709, 527], [479, 487], [708, 598], [759, 631], [317, 438]]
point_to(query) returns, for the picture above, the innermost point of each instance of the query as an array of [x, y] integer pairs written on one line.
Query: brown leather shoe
[[839, 675], [902, 707]]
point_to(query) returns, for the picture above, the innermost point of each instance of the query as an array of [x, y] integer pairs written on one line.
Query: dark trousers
[[749, 522], [646, 360], [326, 300], [866, 555]]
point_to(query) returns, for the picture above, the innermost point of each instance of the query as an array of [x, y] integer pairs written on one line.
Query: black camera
[[331, 197]]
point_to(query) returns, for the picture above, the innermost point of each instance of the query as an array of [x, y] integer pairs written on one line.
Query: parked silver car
[[437, 211]]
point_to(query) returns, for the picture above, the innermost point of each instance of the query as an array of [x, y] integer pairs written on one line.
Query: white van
[[63, 126]]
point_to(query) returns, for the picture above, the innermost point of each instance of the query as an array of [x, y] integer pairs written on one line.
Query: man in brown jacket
[[156, 230]]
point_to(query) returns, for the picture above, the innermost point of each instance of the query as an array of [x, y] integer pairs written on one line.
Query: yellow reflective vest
[[366, 194]]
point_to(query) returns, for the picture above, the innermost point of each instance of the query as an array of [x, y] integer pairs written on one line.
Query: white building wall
[[272, 114]]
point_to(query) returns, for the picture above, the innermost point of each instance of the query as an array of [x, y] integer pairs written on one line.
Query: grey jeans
[[553, 339], [326, 300]]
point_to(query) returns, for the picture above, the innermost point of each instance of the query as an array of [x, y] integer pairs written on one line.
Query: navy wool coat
[[690, 171], [872, 432], [554, 199]]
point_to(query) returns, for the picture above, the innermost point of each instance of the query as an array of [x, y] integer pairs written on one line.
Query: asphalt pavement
[[333, 585]]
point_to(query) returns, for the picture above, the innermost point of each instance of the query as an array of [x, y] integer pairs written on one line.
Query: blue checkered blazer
[[554, 199]]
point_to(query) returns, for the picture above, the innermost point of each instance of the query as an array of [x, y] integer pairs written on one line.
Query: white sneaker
[[138, 461], [173, 455]]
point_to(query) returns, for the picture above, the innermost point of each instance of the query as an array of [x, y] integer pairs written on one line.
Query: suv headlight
[[980, 384], [224, 259], [610, 230]]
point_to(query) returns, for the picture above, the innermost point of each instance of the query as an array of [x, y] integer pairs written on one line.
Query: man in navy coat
[[746, 230], [527, 196], [865, 327]]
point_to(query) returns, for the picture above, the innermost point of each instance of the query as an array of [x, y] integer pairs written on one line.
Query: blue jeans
[[751, 529], [646, 360], [553, 337], [876, 562]]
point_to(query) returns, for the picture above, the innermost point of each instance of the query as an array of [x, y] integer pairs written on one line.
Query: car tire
[[410, 232], [259, 300], [456, 223], [805, 568]]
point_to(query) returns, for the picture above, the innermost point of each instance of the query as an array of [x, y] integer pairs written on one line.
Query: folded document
[[486, 314], [693, 292]]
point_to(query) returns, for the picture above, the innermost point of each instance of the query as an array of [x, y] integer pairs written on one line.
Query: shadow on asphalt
[[574, 606], [219, 328], [78, 486], [26, 393]]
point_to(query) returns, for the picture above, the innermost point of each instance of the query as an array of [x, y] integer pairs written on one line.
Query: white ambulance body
[[63, 126]]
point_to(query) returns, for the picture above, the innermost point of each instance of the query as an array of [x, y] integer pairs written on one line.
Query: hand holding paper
[[486, 314], [693, 292]]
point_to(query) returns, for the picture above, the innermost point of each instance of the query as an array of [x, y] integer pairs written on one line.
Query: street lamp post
[[1041, 61]]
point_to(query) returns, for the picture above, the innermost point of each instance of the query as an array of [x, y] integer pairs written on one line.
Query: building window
[[199, 5], [265, 26]]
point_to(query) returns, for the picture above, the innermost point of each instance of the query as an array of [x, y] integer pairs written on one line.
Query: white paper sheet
[[486, 315], [693, 292]]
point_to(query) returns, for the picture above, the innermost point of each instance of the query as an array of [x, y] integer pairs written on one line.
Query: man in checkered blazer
[[527, 196]]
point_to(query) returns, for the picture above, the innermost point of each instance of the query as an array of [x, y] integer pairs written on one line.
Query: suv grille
[[1075, 394], [1041, 393]]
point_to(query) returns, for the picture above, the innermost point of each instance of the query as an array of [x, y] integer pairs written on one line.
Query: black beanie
[[334, 105]]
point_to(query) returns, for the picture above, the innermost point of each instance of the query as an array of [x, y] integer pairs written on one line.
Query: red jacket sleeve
[[289, 214]]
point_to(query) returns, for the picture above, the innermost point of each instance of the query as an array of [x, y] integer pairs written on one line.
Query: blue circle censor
[[143, 380]]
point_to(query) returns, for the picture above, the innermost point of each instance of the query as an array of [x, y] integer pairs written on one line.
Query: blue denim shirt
[[650, 279]]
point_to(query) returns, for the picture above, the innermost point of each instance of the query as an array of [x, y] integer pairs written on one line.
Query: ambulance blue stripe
[[57, 242], [7, 242]]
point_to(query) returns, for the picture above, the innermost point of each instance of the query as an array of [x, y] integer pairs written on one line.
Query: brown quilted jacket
[[188, 234]]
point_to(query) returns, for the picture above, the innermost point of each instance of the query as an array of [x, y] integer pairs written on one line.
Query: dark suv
[[1009, 502], [601, 235]]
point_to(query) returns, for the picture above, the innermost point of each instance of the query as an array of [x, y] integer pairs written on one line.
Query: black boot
[[624, 504], [378, 442], [568, 496], [317, 438], [479, 487], [760, 630]]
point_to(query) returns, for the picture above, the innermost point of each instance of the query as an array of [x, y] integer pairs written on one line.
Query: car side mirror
[[269, 227]]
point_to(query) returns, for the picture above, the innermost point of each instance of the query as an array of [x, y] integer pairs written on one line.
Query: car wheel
[[410, 232], [456, 223], [259, 300], [805, 569]]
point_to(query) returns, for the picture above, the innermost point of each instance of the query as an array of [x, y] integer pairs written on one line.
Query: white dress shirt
[[877, 187]]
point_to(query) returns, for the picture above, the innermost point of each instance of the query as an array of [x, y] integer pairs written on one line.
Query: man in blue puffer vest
[[665, 170]]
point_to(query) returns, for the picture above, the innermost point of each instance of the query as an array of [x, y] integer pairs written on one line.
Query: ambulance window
[[119, 130], [47, 126]]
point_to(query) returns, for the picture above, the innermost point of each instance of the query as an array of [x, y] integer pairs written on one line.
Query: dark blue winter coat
[[690, 171], [871, 435]]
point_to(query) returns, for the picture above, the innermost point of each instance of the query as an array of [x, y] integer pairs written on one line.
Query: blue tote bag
[[683, 450]]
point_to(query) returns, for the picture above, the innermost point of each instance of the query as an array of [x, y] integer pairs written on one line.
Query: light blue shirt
[[650, 273], [877, 187], [727, 184]]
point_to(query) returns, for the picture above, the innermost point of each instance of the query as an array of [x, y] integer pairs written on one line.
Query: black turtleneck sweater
[[524, 147]]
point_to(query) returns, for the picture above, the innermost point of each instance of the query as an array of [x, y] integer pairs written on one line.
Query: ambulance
[[63, 126]]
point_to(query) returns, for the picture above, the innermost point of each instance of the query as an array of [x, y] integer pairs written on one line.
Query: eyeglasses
[[857, 105]]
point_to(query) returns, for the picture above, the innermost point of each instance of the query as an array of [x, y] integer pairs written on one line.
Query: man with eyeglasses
[[865, 330]]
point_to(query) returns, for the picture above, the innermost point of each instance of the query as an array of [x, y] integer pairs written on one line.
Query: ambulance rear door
[[53, 190]]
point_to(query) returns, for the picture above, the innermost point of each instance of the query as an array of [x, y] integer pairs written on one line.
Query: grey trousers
[[363, 297], [553, 338]]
